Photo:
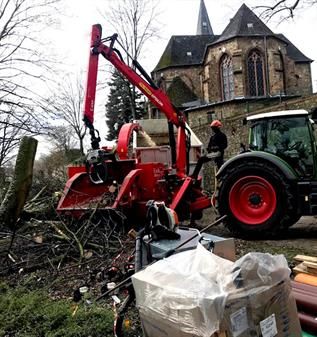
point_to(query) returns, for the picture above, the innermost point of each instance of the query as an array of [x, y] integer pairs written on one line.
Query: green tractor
[[269, 187]]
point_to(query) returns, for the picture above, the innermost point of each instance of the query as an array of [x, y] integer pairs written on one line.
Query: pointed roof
[[203, 25], [245, 23], [184, 50], [293, 52]]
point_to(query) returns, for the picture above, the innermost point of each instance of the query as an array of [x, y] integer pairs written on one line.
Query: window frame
[[227, 93], [256, 73]]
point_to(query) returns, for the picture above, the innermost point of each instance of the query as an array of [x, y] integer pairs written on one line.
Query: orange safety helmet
[[216, 124]]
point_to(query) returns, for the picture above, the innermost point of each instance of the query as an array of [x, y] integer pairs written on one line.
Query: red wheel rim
[[252, 200]]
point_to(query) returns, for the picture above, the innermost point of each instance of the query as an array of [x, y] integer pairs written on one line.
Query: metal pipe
[[306, 287], [138, 260], [305, 302], [308, 323], [306, 278]]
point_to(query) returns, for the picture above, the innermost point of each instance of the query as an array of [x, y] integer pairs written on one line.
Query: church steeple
[[203, 26]]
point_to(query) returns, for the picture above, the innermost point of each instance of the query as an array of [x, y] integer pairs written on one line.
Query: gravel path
[[299, 239]]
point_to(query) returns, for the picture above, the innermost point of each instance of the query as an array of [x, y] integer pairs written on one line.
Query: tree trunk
[[2, 183], [17, 193], [81, 145]]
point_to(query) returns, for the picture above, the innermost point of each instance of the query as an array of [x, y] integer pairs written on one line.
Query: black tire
[[282, 211], [294, 218]]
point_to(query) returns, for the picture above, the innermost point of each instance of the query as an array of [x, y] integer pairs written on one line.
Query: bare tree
[[23, 68], [66, 106], [9, 139], [135, 21], [12, 129], [62, 138], [284, 9]]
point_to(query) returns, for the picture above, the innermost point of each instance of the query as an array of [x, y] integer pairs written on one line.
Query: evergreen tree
[[118, 106]]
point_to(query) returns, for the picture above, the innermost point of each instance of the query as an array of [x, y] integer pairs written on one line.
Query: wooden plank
[[312, 271], [300, 268], [306, 258], [303, 268], [310, 264]]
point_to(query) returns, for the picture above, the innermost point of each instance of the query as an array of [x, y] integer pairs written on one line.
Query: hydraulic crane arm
[[148, 88]]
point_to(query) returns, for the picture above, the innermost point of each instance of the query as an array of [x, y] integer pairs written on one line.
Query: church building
[[228, 76]]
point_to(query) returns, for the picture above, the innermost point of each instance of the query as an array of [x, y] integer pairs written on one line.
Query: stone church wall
[[190, 75], [298, 78]]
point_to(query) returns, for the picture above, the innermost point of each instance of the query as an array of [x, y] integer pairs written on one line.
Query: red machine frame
[[139, 182]]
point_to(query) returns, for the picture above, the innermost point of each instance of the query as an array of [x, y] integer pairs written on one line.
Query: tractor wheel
[[256, 197]]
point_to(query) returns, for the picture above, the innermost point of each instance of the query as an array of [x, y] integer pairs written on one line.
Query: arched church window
[[227, 80], [256, 79]]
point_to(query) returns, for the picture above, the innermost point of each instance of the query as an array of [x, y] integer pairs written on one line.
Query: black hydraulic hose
[[95, 140], [138, 251], [202, 160], [144, 74], [172, 142], [188, 148]]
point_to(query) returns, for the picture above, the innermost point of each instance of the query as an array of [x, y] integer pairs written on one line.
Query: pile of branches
[[37, 244]]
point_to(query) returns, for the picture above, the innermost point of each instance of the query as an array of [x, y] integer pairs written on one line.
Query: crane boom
[[153, 93]]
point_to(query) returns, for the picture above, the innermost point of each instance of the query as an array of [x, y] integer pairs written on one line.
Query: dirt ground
[[299, 239], [61, 283]]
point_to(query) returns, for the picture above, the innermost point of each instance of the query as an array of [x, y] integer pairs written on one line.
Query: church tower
[[203, 25]]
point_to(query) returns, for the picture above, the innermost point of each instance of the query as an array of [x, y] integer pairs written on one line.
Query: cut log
[[14, 200]]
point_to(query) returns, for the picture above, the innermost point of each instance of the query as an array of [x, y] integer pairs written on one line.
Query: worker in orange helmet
[[218, 142]]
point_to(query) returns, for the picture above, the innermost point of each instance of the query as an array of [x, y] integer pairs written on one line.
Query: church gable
[[258, 63], [247, 62], [244, 23]]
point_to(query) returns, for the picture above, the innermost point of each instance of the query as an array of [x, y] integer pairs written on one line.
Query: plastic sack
[[257, 270], [187, 292], [186, 289]]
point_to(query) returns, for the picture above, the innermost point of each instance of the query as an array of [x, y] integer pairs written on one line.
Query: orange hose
[[307, 279]]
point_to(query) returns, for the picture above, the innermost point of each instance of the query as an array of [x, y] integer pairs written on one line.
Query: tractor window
[[289, 139]]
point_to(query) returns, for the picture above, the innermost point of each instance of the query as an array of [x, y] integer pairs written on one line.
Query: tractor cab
[[288, 135]]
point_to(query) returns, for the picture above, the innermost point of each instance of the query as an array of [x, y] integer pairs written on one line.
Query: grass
[[25, 313], [289, 251]]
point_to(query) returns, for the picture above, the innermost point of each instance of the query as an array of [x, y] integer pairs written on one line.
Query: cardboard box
[[195, 293], [266, 312], [261, 312]]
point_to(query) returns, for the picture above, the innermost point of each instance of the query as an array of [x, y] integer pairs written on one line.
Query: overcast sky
[[177, 17]]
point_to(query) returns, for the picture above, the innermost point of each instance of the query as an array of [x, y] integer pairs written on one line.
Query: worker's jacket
[[218, 142]]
